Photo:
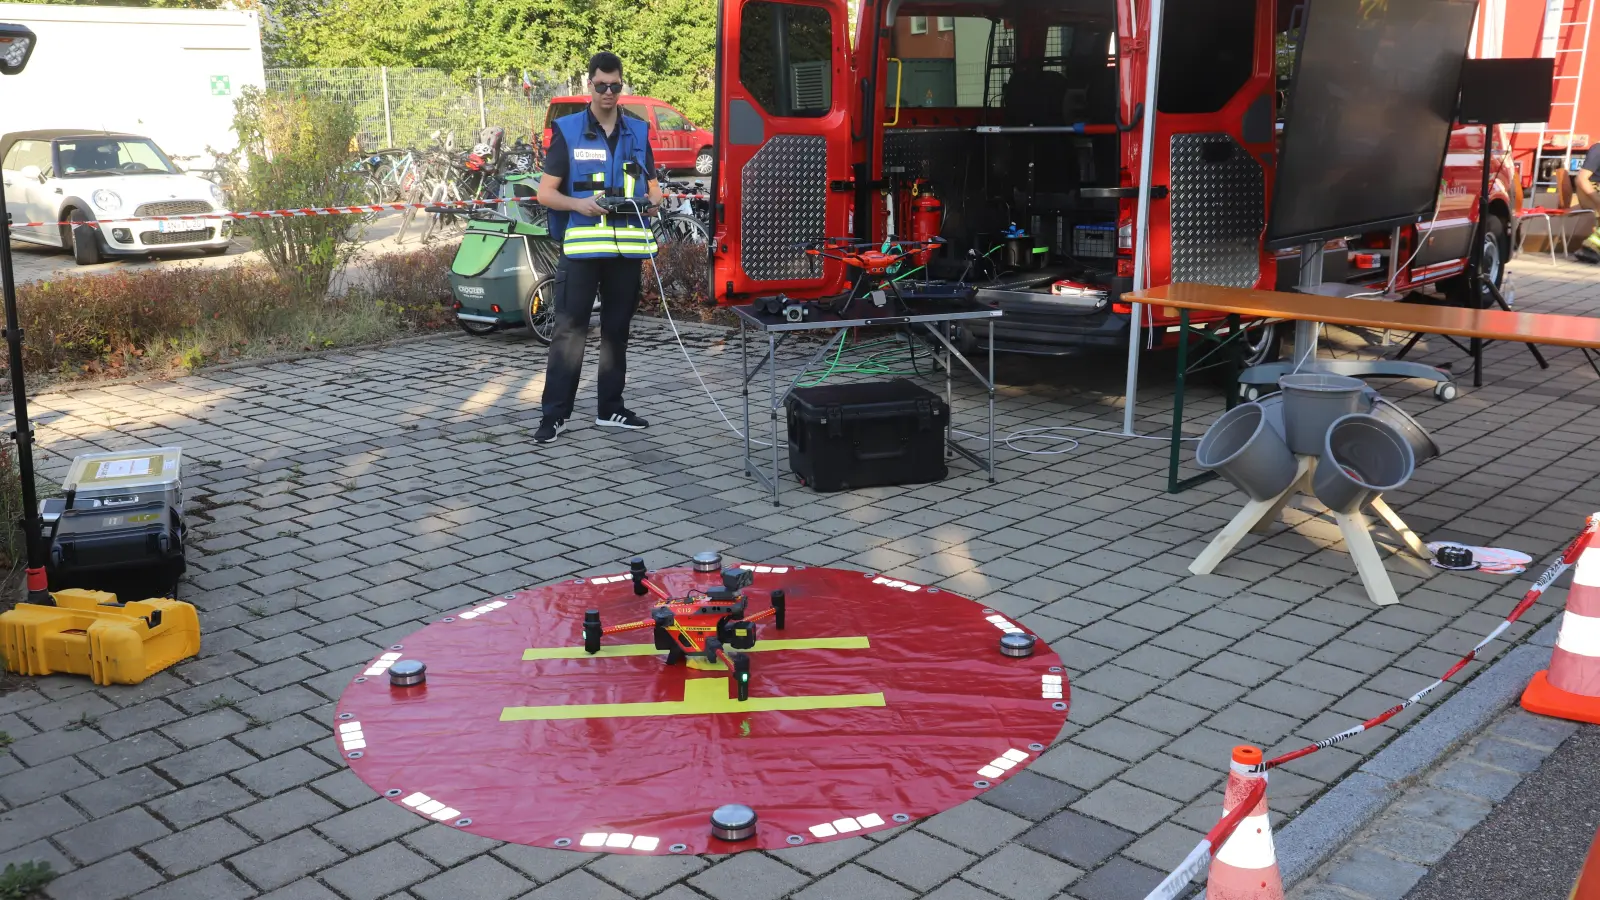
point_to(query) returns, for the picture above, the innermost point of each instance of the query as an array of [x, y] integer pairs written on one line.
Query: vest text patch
[[586, 153]]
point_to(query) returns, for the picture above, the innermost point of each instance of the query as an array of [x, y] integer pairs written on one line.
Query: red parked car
[[675, 140]]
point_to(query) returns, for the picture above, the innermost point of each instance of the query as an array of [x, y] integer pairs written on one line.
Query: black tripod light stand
[[16, 45]]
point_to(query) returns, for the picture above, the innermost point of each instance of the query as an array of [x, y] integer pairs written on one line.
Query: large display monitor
[[1369, 116]]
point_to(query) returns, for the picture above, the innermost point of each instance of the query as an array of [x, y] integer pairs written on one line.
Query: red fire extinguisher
[[927, 218]]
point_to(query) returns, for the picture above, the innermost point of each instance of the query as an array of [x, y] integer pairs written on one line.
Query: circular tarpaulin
[[879, 702]]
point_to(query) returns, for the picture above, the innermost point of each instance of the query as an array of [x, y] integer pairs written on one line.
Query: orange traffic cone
[[1570, 688], [1246, 866]]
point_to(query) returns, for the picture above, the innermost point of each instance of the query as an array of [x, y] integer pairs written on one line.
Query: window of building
[[919, 24], [786, 58], [947, 23]]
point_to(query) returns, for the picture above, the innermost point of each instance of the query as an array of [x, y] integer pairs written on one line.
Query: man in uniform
[[593, 154]]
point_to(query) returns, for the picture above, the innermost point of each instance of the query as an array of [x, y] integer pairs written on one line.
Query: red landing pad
[[879, 703]]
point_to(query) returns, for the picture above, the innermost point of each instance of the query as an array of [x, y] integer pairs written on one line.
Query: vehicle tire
[[539, 310], [1492, 265], [476, 329], [81, 241], [703, 162]]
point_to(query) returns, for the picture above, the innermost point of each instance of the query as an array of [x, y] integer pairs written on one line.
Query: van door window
[[1207, 54], [940, 67], [786, 58]]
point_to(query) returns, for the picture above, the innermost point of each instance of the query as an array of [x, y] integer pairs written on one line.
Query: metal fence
[[404, 107]]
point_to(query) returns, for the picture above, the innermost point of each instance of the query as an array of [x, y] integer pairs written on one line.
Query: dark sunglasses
[[615, 87]]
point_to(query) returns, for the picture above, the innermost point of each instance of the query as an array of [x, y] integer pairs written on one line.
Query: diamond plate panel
[[1218, 210], [785, 191]]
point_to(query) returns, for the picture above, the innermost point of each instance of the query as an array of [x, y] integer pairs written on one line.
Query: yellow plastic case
[[87, 633]]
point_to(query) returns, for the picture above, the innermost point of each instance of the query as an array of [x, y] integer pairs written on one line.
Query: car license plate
[[181, 225]]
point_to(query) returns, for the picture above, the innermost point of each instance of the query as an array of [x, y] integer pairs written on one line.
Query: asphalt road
[[1532, 845]]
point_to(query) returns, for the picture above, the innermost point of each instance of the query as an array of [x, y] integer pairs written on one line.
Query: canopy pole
[[1141, 228]]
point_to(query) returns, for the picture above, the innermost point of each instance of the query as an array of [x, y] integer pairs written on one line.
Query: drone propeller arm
[[626, 626]]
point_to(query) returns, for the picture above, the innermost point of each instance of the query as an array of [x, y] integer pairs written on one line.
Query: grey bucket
[[1242, 447], [1311, 401], [1272, 408], [1362, 457], [1422, 446]]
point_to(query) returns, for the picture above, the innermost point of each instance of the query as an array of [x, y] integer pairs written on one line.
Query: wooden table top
[[1488, 324]]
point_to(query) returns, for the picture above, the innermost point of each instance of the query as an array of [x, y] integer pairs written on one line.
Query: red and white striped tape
[[1555, 570], [305, 212], [1200, 857]]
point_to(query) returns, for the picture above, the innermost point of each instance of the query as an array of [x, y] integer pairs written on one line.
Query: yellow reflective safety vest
[[593, 172]]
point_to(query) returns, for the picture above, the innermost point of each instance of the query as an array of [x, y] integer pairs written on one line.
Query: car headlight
[[216, 194], [107, 200]]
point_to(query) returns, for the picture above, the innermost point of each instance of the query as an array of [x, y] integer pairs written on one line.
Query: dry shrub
[[294, 152], [686, 278], [183, 317], [417, 283], [13, 548]]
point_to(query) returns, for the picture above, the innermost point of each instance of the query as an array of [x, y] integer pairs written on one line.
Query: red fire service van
[[1013, 129]]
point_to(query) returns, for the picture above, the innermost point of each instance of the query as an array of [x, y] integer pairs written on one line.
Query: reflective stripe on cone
[[1246, 865], [1570, 688]]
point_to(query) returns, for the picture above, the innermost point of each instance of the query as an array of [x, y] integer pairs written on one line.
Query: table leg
[[1177, 402], [949, 398], [772, 402], [991, 401], [1235, 361], [1477, 362], [744, 366], [1408, 345]]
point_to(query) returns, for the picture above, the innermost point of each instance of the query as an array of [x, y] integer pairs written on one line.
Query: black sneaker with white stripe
[[549, 427], [621, 419]]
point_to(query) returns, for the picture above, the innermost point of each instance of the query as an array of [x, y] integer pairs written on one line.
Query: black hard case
[[860, 435], [135, 551]]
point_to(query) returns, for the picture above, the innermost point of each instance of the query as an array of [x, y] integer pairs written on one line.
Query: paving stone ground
[[1390, 856], [341, 501]]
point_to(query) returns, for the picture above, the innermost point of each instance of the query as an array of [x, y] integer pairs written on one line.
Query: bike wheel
[[680, 228], [539, 310], [683, 258]]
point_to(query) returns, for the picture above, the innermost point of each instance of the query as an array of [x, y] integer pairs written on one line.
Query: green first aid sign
[[219, 86]]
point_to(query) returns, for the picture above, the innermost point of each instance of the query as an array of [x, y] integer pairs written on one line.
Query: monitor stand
[[1303, 354]]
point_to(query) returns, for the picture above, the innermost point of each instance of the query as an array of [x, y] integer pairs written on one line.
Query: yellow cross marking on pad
[[613, 650], [701, 696]]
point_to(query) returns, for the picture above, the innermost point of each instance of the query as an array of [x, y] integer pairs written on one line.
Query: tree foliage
[[666, 45], [294, 151]]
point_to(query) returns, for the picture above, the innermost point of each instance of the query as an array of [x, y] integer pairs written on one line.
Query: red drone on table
[[699, 624]]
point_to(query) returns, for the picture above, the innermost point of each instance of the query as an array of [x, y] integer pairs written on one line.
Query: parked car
[[78, 175], [677, 143]]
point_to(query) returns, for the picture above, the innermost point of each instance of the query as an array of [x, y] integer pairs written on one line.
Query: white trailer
[[170, 74]]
